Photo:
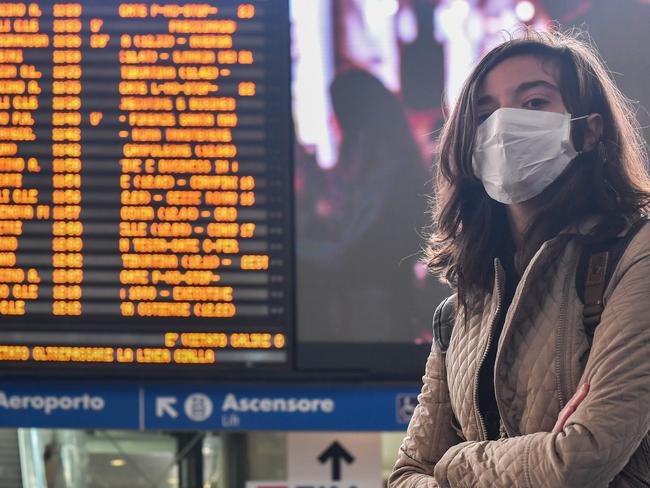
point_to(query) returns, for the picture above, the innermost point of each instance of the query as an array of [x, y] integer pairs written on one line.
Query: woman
[[541, 163], [343, 291]]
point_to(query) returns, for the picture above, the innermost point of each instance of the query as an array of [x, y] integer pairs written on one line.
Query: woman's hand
[[570, 407]]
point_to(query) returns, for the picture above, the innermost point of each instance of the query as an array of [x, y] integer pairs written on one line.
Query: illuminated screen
[[145, 182], [372, 82]]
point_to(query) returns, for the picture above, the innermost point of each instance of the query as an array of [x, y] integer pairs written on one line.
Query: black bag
[[443, 323]]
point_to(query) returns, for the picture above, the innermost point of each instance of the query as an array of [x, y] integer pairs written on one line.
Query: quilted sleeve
[[605, 430], [430, 432]]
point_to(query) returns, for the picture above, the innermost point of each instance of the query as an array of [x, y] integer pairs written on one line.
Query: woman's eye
[[536, 103]]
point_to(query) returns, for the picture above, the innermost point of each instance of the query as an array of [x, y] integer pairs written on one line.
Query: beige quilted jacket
[[542, 358]]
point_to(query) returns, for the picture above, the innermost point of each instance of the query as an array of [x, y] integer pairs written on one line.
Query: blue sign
[[207, 407], [406, 404], [69, 405], [294, 408]]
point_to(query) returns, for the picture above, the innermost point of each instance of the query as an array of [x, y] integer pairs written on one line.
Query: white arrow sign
[[165, 405]]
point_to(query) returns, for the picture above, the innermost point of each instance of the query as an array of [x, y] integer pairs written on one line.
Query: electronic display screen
[[373, 82], [145, 185]]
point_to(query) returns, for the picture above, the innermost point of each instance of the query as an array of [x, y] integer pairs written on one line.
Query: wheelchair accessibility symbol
[[406, 404]]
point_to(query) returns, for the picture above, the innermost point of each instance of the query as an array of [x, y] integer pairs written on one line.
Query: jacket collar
[[586, 227]]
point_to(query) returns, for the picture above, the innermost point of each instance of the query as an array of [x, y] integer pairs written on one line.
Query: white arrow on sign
[[165, 405]]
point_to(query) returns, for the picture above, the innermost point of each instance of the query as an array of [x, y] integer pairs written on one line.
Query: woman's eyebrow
[[527, 85], [523, 87]]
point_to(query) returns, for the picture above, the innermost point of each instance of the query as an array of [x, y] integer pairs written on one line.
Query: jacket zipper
[[521, 286], [497, 313], [560, 366]]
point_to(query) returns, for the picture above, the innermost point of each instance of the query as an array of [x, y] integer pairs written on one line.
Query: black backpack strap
[[595, 285], [443, 323], [596, 267]]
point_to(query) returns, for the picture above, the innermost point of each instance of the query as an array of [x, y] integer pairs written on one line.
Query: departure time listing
[[145, 182]]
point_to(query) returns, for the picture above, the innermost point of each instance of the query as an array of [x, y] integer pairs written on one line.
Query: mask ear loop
[[581, 152]]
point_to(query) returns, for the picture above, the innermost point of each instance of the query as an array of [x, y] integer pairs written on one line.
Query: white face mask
[[518, 153]]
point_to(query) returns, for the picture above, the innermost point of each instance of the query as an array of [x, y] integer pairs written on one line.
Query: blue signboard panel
[[279, 408], [68, 405], [206, 407]]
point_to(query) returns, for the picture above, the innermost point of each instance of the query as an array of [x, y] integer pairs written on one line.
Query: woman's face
[[520, 82]]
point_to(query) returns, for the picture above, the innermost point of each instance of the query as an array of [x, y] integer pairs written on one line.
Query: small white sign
[[198, 407], [165, 406], [341, 460]]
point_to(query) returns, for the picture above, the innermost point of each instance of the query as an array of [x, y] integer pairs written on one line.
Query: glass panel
[[134, 459], [212, 461], [267, 455]]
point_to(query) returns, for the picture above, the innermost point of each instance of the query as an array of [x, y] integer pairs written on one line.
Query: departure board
[[145, 186]]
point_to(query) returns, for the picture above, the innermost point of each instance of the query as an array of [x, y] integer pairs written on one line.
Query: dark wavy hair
[[611, 181]]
